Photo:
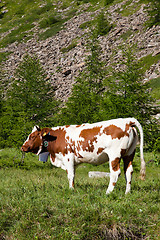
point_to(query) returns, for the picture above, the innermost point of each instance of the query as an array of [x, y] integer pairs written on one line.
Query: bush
[[47, 22]]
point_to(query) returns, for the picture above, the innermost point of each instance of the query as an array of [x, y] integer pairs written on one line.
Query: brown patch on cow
[[68, 159], [67, 138], [130, 182], [67, 126], [89, 134], [78, 126], [115, 164], [100, 150], [116, 132], [67, 171], [90, 137], [60, 145], [114, 183]]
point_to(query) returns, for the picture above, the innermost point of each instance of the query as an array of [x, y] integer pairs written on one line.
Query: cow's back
[[89, 141]]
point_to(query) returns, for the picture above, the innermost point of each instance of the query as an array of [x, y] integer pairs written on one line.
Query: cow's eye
[[32, 137]]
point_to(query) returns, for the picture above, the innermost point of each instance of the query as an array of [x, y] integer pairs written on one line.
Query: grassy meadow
[[36, 203]]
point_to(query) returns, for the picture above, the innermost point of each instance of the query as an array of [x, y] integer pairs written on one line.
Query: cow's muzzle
[[25, 149]]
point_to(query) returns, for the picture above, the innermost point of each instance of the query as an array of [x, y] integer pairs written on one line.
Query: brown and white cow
[[95, 143]]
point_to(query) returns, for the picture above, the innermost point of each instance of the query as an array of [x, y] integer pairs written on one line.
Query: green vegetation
[[3, 56], [83, 104], [37, 204], [126, 35], [19, 18], [71, 46], [47, 22], [99, 25], [127, 95], [35, 201], [102, 25], [155, 85], [124, 94], [154, 13], [28, 100], [130, 8], [87, 24], [149, 60]]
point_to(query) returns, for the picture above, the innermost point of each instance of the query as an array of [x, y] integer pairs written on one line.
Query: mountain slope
[[68, 24]]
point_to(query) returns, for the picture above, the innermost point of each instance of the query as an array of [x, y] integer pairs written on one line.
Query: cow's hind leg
[[114, 172], [128, 170]]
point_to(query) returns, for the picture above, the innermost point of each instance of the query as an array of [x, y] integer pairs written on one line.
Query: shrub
[[47, 22]]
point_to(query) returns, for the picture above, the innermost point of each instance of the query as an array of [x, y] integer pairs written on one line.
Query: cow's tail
[[143, 164]]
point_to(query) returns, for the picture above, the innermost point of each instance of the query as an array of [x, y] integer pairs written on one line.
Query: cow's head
[[37, 141]]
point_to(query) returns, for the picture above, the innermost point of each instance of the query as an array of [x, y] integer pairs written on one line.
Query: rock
[[92, 174], [67, 72]]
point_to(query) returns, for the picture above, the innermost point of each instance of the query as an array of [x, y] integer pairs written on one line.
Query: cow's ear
[[38, 128], [48, 136]]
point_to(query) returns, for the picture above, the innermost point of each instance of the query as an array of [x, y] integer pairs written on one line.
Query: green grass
[[149, 60], [37, 204], [21, 16], [155, 85], [3, 56], [128, 9]]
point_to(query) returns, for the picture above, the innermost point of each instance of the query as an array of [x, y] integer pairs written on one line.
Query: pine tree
[[128, 96], [84, 102], [29, 101]]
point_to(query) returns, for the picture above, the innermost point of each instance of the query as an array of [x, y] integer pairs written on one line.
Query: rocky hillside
[[63, 54]]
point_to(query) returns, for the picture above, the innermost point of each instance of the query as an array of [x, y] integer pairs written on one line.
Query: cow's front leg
[[114, 173], [70, 169]]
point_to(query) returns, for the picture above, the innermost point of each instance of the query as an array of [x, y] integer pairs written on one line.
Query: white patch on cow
[[58, 161], [128, 178]]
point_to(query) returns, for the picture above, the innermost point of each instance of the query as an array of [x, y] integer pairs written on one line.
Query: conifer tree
[[83, 104], [29, 101], [128, 96]]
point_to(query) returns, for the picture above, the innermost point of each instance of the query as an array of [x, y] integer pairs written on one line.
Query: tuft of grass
[[36, 203], [126, 35], [71, 46]]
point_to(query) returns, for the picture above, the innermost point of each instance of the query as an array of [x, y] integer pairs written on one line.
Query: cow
[[96, 143]]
